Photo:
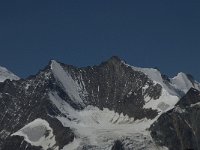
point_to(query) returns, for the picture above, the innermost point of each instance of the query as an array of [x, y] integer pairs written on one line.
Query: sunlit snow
[[171, 92], [38, 133], [100, 128], [70, 86], [182, 82], [5, 74]]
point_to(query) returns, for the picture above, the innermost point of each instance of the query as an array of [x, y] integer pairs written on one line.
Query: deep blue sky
[[146, 33]]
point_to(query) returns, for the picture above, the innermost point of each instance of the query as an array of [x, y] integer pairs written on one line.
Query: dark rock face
[[18, 143], [179, 127], [118, 87], [26, 100], [118, 145], [111, 85]]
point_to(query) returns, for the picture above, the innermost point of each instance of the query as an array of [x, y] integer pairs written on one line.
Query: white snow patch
[[145, 87], [196, 104], [6, 74], [70, 86], [27, 86], [164, 103], [73, 145], [38, 133]]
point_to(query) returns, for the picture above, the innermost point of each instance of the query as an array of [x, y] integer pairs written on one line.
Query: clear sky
[[146, 33]]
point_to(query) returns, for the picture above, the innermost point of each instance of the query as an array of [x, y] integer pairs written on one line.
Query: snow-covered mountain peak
[[172, 88], [66, 107], [184, 82], [181, 76], [6, 74], [177, 85]]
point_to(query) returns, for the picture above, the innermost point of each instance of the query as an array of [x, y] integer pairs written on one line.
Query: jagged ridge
[[62, 94]]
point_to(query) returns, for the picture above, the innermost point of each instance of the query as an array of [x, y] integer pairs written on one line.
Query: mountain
[[6, 74], [179, 127], [108, 106]]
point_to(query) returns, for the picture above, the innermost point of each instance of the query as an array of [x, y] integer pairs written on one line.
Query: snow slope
[[6, 74], [71, 87], [182, 82], [98, 129], [172, 90], [38, 133]]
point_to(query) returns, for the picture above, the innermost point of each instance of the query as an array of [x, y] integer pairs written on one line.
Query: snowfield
[[38, 133], [99, 129]]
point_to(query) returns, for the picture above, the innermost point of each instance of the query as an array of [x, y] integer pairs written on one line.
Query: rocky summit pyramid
[[111, 106]]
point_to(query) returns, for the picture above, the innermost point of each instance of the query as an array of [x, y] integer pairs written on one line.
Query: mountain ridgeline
[[109, 106]]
